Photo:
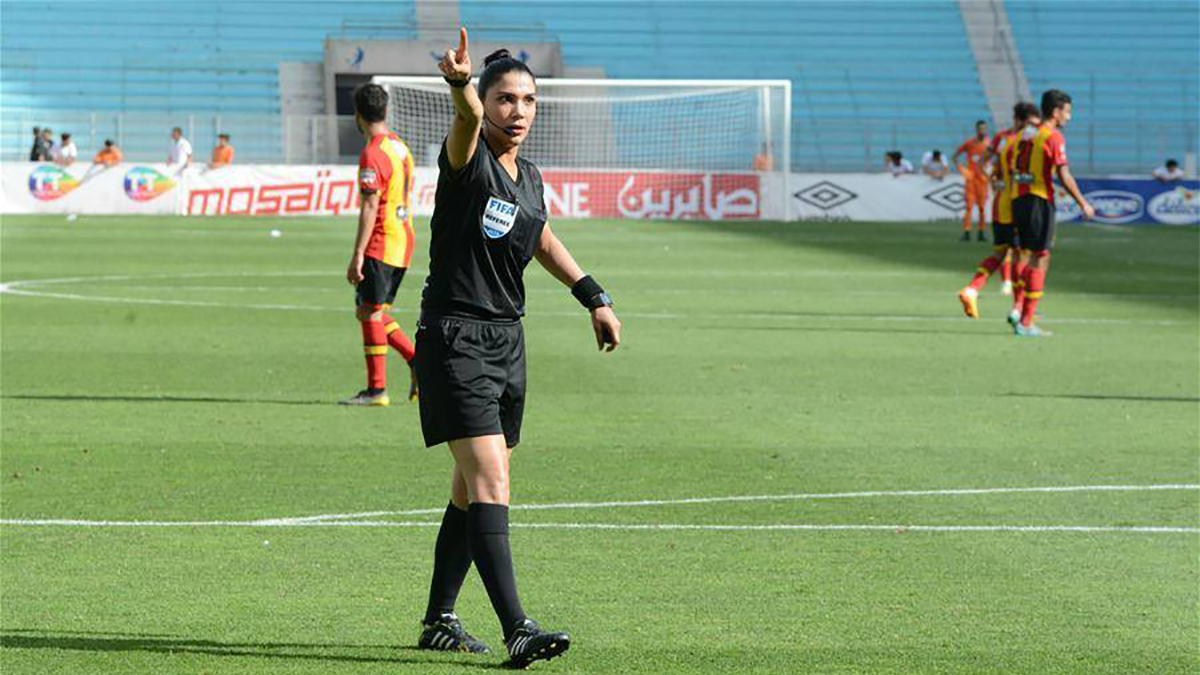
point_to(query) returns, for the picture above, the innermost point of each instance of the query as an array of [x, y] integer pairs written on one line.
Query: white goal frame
[[776, 124]]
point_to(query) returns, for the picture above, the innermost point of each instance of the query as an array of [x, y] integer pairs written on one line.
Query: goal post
[[677, 149]]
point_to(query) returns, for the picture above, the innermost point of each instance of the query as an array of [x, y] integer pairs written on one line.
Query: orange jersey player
[[110, 155], [384, 244], [1038, 155], [222, 154], [974, 173], [1003, 230]]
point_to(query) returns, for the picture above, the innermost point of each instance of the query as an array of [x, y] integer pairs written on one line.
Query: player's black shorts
[[1034, 218], [472, 379], [1004, 234], [380, 283]]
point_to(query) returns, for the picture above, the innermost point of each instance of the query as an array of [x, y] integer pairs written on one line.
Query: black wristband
[[590, 294], [457, 84]]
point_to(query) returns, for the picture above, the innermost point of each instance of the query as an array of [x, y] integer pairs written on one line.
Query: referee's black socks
[[487, 530], [451, 561]]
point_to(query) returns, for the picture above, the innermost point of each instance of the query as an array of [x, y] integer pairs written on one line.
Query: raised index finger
[[462, 43]]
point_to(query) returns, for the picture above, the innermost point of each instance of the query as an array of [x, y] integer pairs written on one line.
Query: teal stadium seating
[[1132, 69], [159, 62], [867, 76]]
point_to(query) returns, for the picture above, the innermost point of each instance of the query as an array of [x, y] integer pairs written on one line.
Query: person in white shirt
[[66, 152], [1168, 173], [895, 163], [934, 165], [180, 154]]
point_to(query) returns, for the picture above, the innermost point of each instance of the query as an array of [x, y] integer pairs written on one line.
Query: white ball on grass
[[276, 233]]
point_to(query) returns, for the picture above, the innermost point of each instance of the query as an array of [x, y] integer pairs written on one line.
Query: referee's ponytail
[[496, 65]]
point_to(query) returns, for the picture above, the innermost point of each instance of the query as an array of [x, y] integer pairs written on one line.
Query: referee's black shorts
[[472, 379], [1034, 218], [380, 282]]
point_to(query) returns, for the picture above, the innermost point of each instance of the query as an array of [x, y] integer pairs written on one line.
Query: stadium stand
[[867, 76], [157, 63], [1132, 69]]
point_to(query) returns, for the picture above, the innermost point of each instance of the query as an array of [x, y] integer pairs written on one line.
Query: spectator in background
[[180, 154], [50, 144], [66, 153], [109, 156], [762, 161], [934, 165], [1168, 173], [41, 150], [895, 163], [222, 153]]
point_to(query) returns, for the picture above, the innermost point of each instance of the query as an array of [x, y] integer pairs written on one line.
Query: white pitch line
[[788, 292], [622, 527], [18, 288], [955, 492]]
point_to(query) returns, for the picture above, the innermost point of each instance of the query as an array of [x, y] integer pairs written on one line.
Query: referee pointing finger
[[489, 221]]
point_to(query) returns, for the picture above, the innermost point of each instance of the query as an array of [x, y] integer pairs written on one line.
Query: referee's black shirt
[[484, 231]]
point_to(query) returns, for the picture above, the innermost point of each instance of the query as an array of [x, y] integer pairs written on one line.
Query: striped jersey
[[1036, 153], [386, 166], [1000, 144]]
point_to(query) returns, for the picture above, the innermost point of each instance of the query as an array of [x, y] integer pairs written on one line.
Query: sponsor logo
[[47, 183], [143, 184], [952, 197], [1112, 206], [498, 217], [652, 195], [323, 195], [367, 177], [825, 195], [1177, 207]]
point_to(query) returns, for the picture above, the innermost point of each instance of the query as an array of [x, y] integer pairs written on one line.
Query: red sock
[[1018, 275], [1006, 270], [1036, 281], [375, 348], [397, 339], [989, 265]]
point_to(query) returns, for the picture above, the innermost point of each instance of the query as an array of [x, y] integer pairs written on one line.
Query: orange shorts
[[977, 192]]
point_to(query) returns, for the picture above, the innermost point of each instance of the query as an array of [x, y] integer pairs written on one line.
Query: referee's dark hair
[[1052, 100], [496, 65], [370, 102]]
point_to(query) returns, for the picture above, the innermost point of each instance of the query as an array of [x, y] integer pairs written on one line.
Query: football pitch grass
[[803, 458]]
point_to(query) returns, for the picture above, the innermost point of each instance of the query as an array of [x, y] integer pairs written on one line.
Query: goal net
[[678, 149]]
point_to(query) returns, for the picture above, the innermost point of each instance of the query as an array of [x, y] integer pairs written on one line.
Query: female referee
[[489, 221]]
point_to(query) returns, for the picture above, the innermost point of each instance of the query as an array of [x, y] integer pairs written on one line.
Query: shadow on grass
[[176, 645], [102, 398], [1113, 397], [1151, 263]]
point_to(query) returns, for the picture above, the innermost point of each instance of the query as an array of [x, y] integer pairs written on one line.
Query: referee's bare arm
[[468, 109], [562, 266]]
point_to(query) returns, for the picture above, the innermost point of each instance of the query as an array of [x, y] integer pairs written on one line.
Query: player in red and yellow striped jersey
[[384, 244], [1037, 156], [975, 174], [1003, 230]]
